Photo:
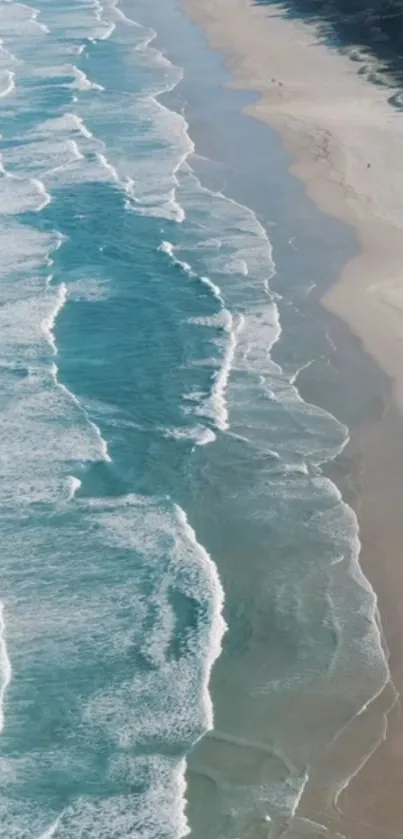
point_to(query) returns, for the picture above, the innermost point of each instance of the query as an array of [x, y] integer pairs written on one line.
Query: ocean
[[164, 505]]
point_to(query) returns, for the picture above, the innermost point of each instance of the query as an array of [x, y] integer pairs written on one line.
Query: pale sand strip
[[335, 123]]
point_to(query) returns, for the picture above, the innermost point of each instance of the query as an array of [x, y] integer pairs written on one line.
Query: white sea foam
[[29, 310], [122, 16], [85, 24], [73, 487], [108, 166], [49, 322], [82, 82], [216, 405], [76, 122], [168, 247], [55, 430], [108, 31], [19, 195], [7, 83], [50, 831], [23, 252], [154, 189], [76, 153], [150, 181], [52, 429], [46, 197], [159, 809], [244, 247], [243, 251], [38, 156], [217, 626], [35, 15], [42, 155], [103, 446], [300, 369], [5, 668], [199, 434], [170, 250], [7, 56], [32, 15], [107, 26], [20, 19], [173, 701], [59, 151]]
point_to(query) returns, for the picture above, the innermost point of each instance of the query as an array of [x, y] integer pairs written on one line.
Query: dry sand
[[346, 143]]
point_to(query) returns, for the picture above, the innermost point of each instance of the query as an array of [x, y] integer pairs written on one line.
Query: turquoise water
[[160, 474]]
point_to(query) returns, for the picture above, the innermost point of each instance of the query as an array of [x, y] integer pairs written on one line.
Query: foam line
[[50, 831], [83, 82], [170, 250], [13, 58], [9, 85], [105, 163], [217, 401], [5, 668], [80, 125], [34, 14], [49, 322], [102, 443], [46, 197], [216, 404], [218, 626]]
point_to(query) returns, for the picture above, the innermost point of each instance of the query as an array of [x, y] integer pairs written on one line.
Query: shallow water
[[155, 461]]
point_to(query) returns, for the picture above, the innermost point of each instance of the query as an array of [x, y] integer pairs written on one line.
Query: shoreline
[[326, 142]]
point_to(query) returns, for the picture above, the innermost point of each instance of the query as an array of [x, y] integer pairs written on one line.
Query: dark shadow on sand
[[371, 33]]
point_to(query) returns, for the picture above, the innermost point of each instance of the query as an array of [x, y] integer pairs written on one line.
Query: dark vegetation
[[375, 25]]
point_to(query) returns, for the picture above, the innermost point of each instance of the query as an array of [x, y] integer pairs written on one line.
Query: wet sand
[[346, 143]]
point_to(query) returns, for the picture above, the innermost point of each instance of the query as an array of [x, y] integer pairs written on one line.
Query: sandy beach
[[346, 144]]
